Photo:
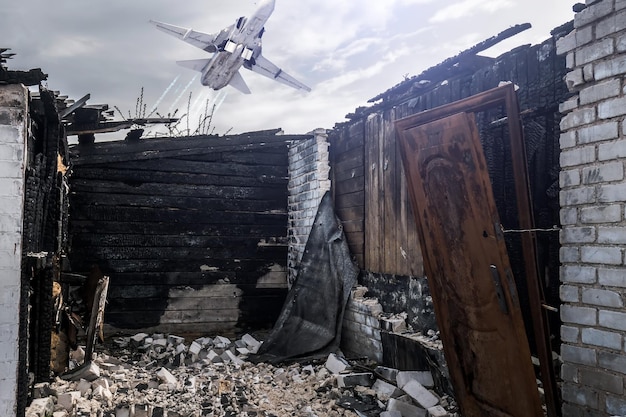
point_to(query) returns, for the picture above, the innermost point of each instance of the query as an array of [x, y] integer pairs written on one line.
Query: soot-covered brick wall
[[308, 182], [592, 180], [13, 109]]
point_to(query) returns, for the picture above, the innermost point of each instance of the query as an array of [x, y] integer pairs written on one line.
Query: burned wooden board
[[468, 270]]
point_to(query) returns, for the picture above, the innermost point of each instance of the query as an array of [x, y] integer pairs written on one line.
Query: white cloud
[[70, 46], [468, 8], [347, 51]]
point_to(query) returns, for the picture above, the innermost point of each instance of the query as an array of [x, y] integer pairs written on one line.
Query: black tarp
[[309, 325]]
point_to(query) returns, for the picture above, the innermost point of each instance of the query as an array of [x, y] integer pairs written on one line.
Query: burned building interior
[[273, 274]]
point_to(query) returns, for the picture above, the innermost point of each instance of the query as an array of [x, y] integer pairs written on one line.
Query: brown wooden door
[[468, 269]]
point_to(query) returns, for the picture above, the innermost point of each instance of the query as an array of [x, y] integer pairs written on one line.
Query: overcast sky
[[346, 51]]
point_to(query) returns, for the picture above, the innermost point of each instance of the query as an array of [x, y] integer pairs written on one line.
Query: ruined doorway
[[452, 199]]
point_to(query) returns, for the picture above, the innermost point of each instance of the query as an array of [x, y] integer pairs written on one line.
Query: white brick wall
[[593, 198], [13, 113], [309, 179]]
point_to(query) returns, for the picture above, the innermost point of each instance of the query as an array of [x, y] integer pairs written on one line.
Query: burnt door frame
[[505, 96]]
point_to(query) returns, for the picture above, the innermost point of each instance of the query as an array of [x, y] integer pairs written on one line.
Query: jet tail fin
[[194, 64], [238, 82]]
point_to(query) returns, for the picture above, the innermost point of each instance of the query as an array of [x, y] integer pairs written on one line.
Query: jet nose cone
[[267, 4]]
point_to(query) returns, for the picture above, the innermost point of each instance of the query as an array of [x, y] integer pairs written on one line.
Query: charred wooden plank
[[225, 168], [259, 178], [168, 148], [373, 212], [256, 266], [91, 227], [350, 200], [189, 190], [155, 215], [212, 205], [163, 242]]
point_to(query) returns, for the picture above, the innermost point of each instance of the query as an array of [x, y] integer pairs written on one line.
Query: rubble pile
[[164, 376]]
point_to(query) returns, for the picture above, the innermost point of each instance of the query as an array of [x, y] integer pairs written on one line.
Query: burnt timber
[[192, 231], [370, 188]]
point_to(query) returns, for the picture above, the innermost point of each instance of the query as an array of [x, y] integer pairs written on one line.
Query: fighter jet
[[233, 47]]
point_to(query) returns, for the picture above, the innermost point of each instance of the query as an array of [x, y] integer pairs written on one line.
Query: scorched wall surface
[[192, 232]]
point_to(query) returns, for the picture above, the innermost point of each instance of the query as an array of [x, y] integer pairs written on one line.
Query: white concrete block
[[387, 373], [335, 364], [363, 379], [437, 411], [425, 378], [384, 390], [394, 413], [40, 407], [250, 341], [67, 400], [195, 347], [406, 409], [420, 394], [138, 339], [166, 376]]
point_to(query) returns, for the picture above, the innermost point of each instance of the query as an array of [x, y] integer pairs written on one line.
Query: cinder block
[[601, 338], [566, 43], [578, 156], [578, 315], [594, 52], [425, 378], [611, 213], [138, 339], [437, 411], [612, 320], [387, 373], [577, 196], [40, 407], [166, 376], [67, 400], [612, 150], [336, 364], [569, 254], [195, 348], [420, 394], [604, 298], [393, 324], [385, 390], [578, 117], [569, 293], [575, 354], [406, 409], [612, 277], [612, 108], [364, 379], [578, 274]]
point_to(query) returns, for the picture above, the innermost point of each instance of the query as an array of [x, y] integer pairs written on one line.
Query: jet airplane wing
[[204, 41], [264, 67]]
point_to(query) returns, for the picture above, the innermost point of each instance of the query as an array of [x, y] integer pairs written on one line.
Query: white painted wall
[[13, 119]]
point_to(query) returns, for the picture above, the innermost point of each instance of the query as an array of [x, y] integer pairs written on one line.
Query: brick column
[[593, 196], [308, 181], [13, 116]]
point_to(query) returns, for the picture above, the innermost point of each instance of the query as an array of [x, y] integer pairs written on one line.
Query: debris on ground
[[162, 375]]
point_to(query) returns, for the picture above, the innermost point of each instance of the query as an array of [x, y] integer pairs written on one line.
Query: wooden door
[[468, 270]]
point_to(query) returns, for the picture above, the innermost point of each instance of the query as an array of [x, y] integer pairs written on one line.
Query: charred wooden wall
[[191, 231], [369, 184], [44, 243]]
